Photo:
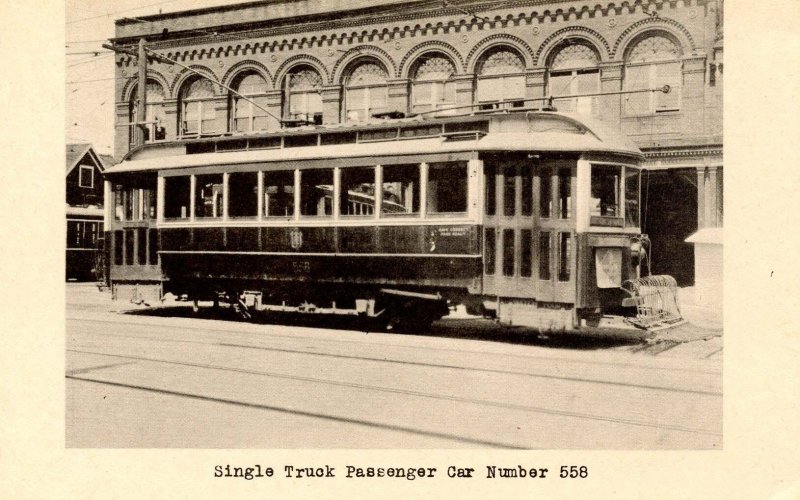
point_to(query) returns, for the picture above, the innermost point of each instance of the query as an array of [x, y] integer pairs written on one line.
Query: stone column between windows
[[274, 100], [610, 107], [692, 103], [122, 132], [331, 104], [713, 199], [398, 95], [535, 86], [465, 89], [221, 117], [701, 197], [171, 127]]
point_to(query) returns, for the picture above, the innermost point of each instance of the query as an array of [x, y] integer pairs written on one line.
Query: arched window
[[501, 77], [573, 70], [155, 117], [366, 91], [197, 108], [246, 116], [431, 86], [302, 95], [653, 62]]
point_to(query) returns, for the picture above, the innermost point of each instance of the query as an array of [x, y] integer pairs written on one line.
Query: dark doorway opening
[[669, 216]]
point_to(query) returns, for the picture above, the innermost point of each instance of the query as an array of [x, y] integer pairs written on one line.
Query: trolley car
[[531, 217]]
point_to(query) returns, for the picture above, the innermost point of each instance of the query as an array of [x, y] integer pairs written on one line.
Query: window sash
[[82, 175]]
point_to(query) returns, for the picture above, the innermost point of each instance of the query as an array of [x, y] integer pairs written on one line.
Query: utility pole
[[140, 125], [141, 110]]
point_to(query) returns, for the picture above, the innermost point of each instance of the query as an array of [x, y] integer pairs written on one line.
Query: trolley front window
[[447, 188], [632, 180], [605, 206]]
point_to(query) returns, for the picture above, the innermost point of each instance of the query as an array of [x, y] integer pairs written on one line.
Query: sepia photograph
[[400, 249], [381, 224]]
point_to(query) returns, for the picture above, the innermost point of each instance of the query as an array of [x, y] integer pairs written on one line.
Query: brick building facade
[[334, 62]]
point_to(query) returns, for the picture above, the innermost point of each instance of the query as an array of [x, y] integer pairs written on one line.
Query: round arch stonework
[[577, 33], [432, 46], [183, 76], [300, 59], [680, 35], [494, 41], [130, 84], [241, 66], [367, 51]]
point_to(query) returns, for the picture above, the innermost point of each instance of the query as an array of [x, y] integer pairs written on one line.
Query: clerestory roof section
[[541, 132]]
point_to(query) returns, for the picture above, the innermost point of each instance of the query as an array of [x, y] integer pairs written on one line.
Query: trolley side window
[[508, 252], [243, 194], [489, 250], [118, 248], [400, 190], [545, 194], [544, 256], [605, 202], [632, 180], [176, 197], [316, 192], [509, 191], [491, 190], [447, 188], [564, 248], [279, 194], [208, 196], [526, 176], [357, 191], [564, 193], [525, 255]]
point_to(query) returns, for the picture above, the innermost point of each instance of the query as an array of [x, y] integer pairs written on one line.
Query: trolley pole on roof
[[141, 110]]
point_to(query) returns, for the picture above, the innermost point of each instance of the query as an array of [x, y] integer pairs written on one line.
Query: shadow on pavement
[[473, 328]]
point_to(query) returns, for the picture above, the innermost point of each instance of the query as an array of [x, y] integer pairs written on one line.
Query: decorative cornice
[[460, 24]]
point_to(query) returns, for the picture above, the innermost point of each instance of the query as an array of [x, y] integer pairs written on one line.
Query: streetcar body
[[531, 217]]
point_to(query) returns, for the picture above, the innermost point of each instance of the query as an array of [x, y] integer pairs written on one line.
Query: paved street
[[139, 377]]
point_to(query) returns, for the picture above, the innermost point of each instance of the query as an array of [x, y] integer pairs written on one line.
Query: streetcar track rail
[[404, 346], [435, 365], [303, 413], [495, 404]]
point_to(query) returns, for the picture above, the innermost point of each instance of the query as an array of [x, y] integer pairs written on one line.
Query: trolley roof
[[540, 132]]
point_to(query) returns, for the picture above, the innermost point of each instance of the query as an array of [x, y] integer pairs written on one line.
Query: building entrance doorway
[[669, 216]]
